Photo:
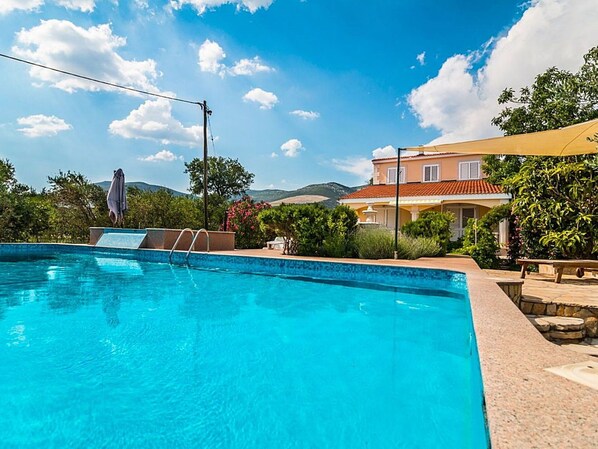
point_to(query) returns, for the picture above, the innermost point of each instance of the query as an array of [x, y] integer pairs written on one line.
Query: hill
[[326, 193], [143, 186], [330, 191]]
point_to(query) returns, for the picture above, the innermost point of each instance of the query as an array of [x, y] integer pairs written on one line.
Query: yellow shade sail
[[567, 141]]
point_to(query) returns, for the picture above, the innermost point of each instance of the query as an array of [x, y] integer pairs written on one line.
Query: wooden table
[[559, 266]]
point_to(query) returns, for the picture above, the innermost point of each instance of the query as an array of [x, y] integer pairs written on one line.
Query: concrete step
[[559, 328]]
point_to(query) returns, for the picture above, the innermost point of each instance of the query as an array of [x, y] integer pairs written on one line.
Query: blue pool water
[[98, 351]]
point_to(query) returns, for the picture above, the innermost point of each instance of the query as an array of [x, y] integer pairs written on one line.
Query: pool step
[[559, 328]]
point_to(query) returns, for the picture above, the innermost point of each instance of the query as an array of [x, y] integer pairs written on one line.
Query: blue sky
[[302, 91]]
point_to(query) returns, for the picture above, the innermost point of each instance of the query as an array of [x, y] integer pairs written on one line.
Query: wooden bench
[[559, 266]]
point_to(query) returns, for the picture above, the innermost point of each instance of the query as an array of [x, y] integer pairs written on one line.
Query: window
[[469, 170], [431, 173], [391, 177]]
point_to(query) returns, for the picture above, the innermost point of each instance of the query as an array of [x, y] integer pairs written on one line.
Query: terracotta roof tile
[[474, 187]]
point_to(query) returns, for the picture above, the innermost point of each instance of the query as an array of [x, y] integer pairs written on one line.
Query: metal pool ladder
[[195, 236]]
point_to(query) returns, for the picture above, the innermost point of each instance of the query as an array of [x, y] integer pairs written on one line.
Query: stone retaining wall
[[533, 306]]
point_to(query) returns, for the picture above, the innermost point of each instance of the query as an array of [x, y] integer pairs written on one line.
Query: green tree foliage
[[24, 215], [78, 205], [554, 197], [434, 225], [227, 178], [557, 205], [242, 219], [161, 209], [479, 240], [311, 229]]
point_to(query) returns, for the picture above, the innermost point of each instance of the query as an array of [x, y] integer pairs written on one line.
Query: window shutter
[[474, 172], [464, 170]]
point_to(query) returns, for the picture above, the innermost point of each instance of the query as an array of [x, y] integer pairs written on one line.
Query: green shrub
[[484, 252], [379, 244], [311, 229], [434, 225], [374, 243], [413, 248]]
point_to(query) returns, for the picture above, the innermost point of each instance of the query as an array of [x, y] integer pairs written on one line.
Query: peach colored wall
[[449, 167]]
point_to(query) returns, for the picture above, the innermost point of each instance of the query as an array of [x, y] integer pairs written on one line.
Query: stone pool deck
[[526, 406]]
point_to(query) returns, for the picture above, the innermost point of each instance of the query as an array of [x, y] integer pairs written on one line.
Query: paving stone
[[560, 323], [539, 322], [582, 348]]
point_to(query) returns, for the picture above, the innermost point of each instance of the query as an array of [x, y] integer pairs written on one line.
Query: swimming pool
[[114, 349]]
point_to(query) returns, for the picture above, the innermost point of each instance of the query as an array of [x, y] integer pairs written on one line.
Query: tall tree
[[227, 178], [79, 205], [554, 197], [24, 215]]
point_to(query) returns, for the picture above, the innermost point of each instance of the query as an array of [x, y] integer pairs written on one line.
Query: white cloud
[[8, 6], [267, 100], [161, 156], [305, 115], [460, 102], [153, 120], [358, 166], [387, 151], [201, 6], [249, 67], [42, 125], [210, 55], [274, 154], [87, 51], [421, 58], [291, 148], [81, 5]]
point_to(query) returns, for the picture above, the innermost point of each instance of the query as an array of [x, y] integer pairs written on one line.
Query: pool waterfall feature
[[160, 238], [310, 334]]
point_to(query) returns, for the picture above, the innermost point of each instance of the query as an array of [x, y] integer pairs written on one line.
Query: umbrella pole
[[205, 164]]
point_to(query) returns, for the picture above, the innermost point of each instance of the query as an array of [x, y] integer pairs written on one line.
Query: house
[[445, 182]]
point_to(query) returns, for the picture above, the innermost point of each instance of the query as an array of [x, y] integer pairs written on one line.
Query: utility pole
[[397, 212], [206, 112]]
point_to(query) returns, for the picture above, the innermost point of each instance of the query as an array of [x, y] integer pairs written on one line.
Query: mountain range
[[326, 193]]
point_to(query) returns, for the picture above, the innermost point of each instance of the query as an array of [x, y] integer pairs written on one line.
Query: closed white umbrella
[[117, 198]]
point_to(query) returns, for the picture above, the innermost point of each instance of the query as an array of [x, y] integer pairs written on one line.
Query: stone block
[[591, 325], [539, 309], [551, 309], [584, 313], [526, 307], [563, 335], [569, 311]]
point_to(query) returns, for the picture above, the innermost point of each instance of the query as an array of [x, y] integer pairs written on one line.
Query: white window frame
[[437, 173], [469, 164], [402, 175]]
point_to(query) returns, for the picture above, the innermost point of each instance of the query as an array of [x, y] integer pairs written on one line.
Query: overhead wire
[[107, 83], [211, 135]]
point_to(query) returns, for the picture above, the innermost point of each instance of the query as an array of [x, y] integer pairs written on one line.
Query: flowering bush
[[242, 219]]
